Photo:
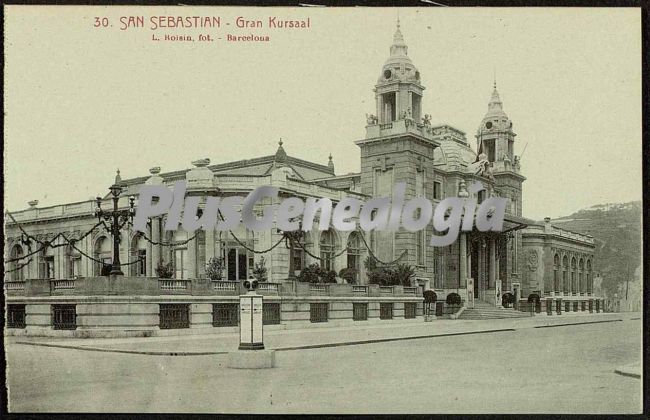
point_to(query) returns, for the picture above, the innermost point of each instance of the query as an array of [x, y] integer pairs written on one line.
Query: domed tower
[[398, 91], [495, 137], [398, 148]]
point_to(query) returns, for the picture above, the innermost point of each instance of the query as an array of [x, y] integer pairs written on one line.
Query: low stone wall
[[124, 316]]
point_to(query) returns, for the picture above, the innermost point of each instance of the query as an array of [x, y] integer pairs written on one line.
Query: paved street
[[565, 369]]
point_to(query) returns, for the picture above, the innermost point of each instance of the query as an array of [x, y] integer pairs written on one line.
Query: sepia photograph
[[321, 210]]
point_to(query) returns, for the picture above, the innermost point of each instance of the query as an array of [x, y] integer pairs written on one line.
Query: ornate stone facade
[[401, 145]]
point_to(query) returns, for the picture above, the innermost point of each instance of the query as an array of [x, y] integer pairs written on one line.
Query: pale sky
[[82, 101]]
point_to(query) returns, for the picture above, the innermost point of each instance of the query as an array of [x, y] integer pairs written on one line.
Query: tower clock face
[[387, 74], [488, 125]]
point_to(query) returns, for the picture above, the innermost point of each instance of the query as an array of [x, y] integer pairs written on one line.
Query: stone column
[[492, 264], [191, 259], [462, 261], [155, 249], [209, 245], [150, 264]]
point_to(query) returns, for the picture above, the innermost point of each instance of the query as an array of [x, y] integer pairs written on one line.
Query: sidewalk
[[283, 340]]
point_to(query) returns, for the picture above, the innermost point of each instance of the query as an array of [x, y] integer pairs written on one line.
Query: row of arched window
[[239, 262], [572, 276]]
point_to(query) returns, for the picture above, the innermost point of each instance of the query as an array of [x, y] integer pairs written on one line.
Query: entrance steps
[[484, 310]]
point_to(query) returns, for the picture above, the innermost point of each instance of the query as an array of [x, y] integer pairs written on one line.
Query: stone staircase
[[484, 310]]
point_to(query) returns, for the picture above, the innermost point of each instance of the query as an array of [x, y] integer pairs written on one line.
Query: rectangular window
[[437, 190], [359, 311], [271, 313], [180, 261], [174, 315], [225, 314], [386, 310], [438, 280], [49, 267], [64, 317], [142, 264], [15, 316], [409, 310], [318, 312]]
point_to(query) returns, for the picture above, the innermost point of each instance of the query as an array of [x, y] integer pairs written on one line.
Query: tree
[[165, 270], [260, 271]]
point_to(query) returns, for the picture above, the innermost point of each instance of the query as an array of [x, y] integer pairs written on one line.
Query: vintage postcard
[[323, 210]]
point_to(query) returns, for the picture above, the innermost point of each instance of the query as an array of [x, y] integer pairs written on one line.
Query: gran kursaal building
[[401, 145]]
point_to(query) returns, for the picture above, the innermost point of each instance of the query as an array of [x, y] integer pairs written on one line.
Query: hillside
[[617, 231]]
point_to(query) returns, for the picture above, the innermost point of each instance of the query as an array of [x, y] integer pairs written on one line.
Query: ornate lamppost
[[117, 219]]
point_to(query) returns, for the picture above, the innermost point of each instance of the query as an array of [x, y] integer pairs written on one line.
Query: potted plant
[[310, 274], [453, 302], [214, 268], [260, 272], [349, 275], [165, 270], [403, 274]]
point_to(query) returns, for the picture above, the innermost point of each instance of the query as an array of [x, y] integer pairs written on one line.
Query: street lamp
[[117, 219]]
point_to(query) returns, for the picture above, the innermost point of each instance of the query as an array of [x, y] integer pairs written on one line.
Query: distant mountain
[[617, 231]]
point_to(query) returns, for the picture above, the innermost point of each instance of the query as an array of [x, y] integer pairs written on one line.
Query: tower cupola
[[398, 90]]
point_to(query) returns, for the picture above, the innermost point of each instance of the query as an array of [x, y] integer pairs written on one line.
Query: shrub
[[260, 271], [430, 296], [533, 297], [453, 299], [402, 274], [214, 268], [328, 276], [165, 270], [348, 274], [310, 274], [507, 299]]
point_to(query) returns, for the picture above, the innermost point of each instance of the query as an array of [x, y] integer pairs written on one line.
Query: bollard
[[251, 353]]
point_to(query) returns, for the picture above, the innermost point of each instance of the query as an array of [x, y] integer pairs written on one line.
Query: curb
[[150, 353], [629, 371], [384, 340], [578, 323], [315, 346]]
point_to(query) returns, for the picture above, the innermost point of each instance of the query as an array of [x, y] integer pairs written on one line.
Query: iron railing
[[174, 315], [410, 309], [318, 312], [64, 317], [359, 311], [225, 314], [385, 310], [271, 313], [15, 316]]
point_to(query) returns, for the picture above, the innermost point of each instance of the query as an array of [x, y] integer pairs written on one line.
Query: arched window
[[556, 273], [574, 289], [565, 269], [102, 252], [138, 253], [327, 249], [18, 273], [590, 286], [239, 261], [73, 261], [581, 267], [354, 254]]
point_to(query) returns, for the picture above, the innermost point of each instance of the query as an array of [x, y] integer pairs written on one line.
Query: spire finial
[[280, 142], [495, 76], [118, 178]]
